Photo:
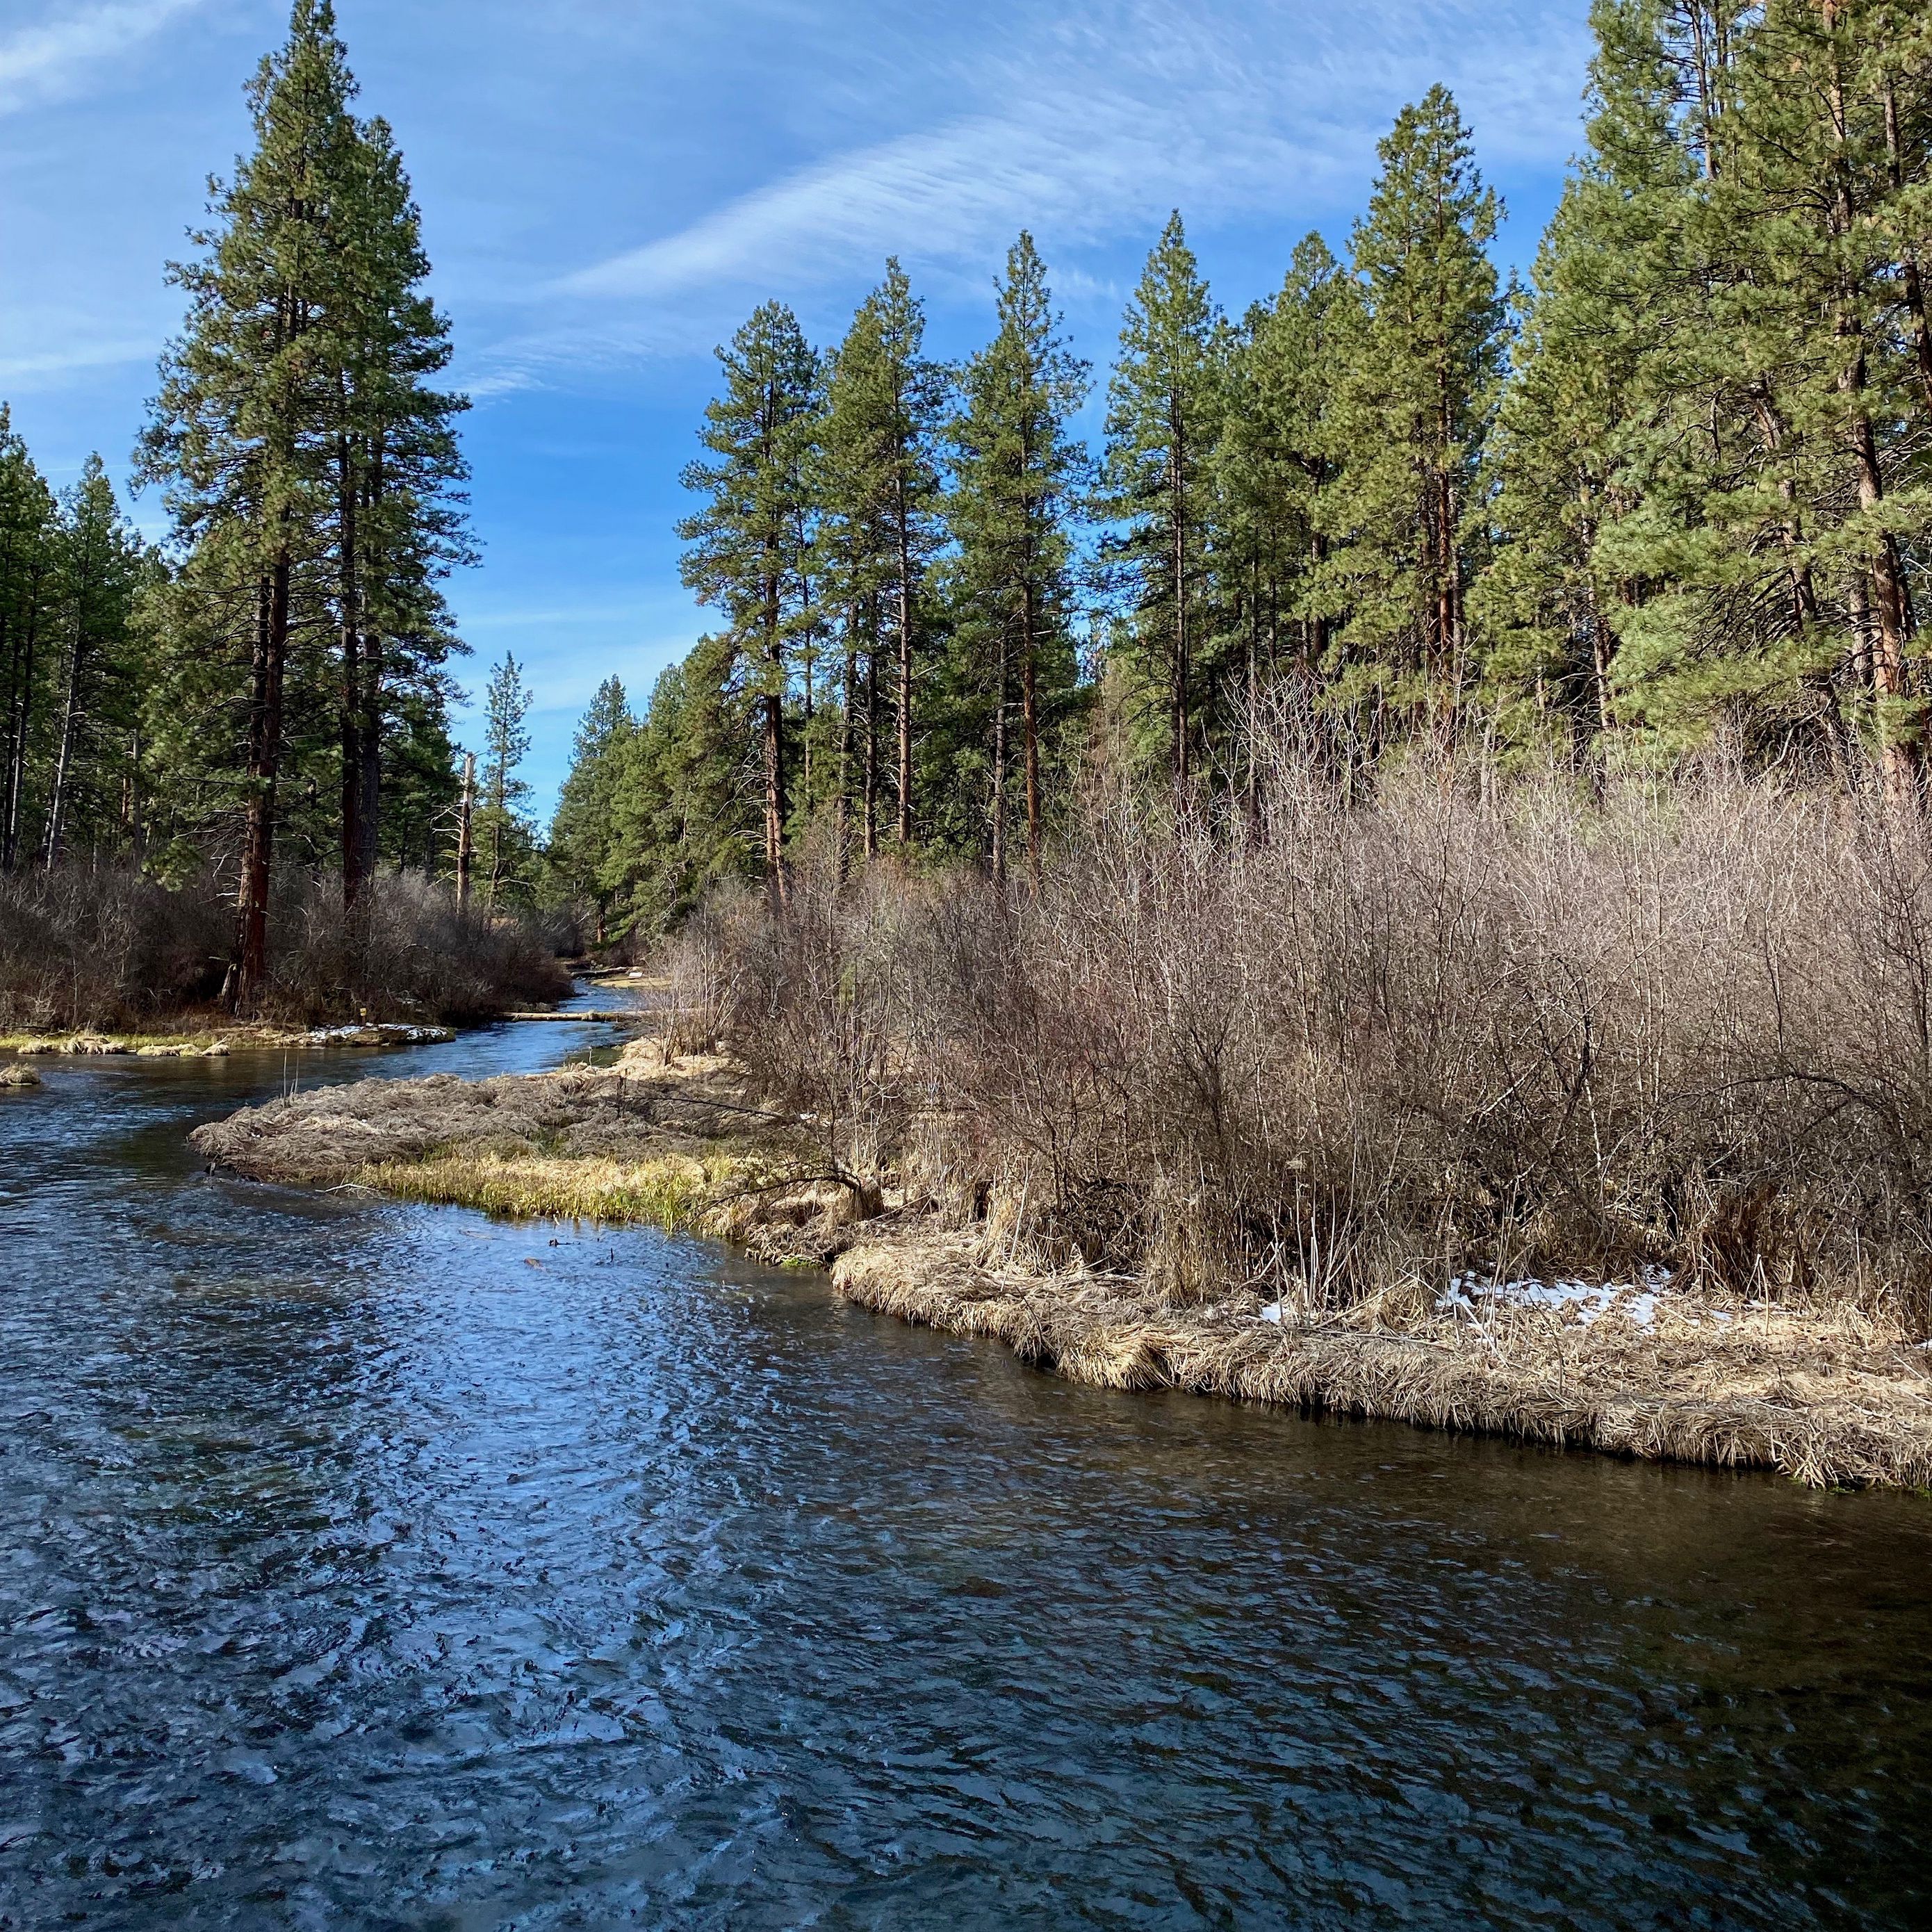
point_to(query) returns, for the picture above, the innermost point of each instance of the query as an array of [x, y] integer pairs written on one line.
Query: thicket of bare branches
[[103, 946], [1439, 1027]]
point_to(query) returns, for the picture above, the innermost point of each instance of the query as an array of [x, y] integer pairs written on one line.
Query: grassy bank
[[1824, 1395], [215, 1035]]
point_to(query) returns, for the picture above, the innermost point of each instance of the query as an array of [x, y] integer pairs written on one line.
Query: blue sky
[[608, 186]]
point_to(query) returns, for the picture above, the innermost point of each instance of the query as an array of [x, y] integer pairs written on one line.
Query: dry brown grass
[[1827, 1405]]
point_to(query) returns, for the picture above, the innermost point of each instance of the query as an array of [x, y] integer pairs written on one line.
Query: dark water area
[[370, 1565]]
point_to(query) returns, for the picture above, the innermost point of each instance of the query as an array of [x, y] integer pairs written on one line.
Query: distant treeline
[[1676, 487]]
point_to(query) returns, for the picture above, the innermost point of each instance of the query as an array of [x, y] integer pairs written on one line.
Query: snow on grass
[[1638, 1302]]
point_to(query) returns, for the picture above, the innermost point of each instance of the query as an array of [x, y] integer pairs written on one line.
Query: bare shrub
[[103, 946], [1389, 1033]]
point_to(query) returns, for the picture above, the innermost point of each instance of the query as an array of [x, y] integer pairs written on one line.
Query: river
[[373, 1565]]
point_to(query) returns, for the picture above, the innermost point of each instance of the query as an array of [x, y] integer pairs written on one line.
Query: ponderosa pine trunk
[[1177, 491], [1899, 756], [904, 666], [1030, 725], [849, 696], [63, 758], [771, 733], [265, 739], [872, 749], [20, 720], [1913, 285], [349, 614], [999, 799]]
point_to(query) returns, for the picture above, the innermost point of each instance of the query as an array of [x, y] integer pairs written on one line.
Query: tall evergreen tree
[[1017, 474], [104, 567], [1164, 413], [29, 566], [1277, 457], [1421, 368], [582, 834], [398, 470], [881, 490], [748, 551], [241, 429], [501, 828]]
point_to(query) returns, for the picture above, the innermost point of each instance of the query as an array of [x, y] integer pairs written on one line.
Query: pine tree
[[583, 830], [684, 798], [399, 527], [749, 553], [1164, 414], [1276, 457], [1421, 367], [881, 490], [1017, 474], [29, 556], [104, 566], [501, 828], [241, 430]]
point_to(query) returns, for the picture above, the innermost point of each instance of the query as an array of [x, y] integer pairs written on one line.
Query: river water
[[371, 1565]]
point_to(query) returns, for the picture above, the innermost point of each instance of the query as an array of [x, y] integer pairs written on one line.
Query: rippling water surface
[[372, 1565]]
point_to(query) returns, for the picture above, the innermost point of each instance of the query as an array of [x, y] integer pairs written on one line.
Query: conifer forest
[[1671, 493]]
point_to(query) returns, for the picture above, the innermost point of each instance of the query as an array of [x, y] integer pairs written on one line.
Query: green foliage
[[1419, 368], [1018, 475], [310, 463], [504, 834], [583, 841], [749, 551], [1166, 405]]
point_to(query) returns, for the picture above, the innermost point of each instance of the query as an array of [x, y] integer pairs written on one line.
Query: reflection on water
[[373, 1565]]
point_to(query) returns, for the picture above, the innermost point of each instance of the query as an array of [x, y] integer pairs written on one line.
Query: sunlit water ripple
[[373, 1565]]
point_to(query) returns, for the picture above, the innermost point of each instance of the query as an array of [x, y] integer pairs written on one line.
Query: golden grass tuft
[[674, 1192]]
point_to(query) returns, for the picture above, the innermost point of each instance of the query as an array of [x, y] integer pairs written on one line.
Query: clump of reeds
[[1427, 1025]]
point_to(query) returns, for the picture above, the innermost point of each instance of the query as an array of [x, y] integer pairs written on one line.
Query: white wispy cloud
[[1090, 128], [36, 366], [51, 58]]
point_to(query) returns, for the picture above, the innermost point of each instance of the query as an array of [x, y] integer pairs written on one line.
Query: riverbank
[[213, 1040], [1824, 1396]]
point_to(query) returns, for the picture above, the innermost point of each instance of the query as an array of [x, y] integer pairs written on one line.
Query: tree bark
[[1914, 286], [1178, 492], [90, 564], [264, 741], [466, 833], [905, 665], [21, 721], [1029, 717], [1899, 756], [999, 799], [63, 759], [350, 615], [843, 809], [872, 746]]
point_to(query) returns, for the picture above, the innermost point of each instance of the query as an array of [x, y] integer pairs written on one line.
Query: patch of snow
[[1638, 1301], [1273, 1313]]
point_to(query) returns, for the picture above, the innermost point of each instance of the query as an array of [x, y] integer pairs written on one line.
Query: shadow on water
[[373, 1565]]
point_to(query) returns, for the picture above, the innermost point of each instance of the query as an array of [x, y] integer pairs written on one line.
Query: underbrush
[[86, 946], [1372, 1041]]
